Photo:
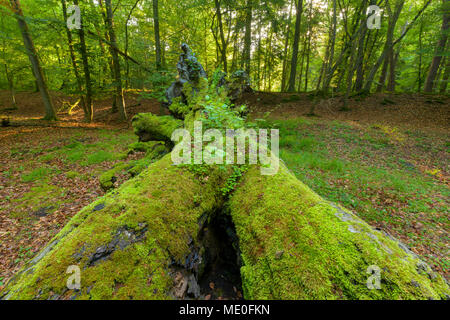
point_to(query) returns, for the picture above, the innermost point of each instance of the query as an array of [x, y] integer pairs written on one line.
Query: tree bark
[[361, 52], [12, 90], [116, 61], [380, 60], [293, 73], [41, 83], [445, 78], [223, 47], [157, 37], [286, 46], [87, 72], [139, 241], [126, 43], [393, 18], [74, 62], [331, 45], [440, 48], [246, 56], [392, 66]]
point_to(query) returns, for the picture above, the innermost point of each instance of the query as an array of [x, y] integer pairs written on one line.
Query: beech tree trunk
[[440, 48], [142, 242], [157, 37], [393, 18], [74, 63], [116, 61], [87, 72], [380, 60], [41, 83], [445, 79], [126, 42], [293, 73], [145, 240], [11, 88], [223, 47]]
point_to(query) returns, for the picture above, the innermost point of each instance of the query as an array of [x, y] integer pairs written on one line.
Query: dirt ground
[[423, 112], [31, 110]]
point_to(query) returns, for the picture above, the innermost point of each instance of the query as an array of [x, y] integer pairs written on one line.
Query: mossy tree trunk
[[143, 240]]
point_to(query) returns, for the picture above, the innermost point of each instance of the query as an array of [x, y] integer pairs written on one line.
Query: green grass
[[364, 170], [37, 174]]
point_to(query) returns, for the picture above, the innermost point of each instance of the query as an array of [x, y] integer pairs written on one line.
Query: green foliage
[[233, 179], [72, 174], [158, 82], [37, 174], [100, 156]]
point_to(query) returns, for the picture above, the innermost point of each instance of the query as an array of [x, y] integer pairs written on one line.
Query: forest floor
[[387, 159]]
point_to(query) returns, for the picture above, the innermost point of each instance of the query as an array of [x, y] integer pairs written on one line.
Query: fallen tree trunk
[[149, 127], [129, 244], [296, 245], [149, 238], [144, 241]]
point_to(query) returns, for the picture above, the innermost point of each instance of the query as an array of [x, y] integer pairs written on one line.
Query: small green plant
[[158, 82], [233, 179], [72, 174], [98, 157], [36, 174]]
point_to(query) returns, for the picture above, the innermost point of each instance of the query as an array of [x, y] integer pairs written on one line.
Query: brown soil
[[423, 112]]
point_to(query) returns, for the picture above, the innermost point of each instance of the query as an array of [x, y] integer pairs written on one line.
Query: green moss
[[295, 245], [41, 173], [151, 127], [43, 195], [100, 156], [159, 201], [72, 174]]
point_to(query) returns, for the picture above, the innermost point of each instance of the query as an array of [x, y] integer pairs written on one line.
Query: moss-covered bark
[[296, 245], [149, 127], [129, 243], [141, 240]]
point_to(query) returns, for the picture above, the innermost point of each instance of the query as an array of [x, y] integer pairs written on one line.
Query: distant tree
[[87, 72], [440, 47], [116, 61], [157, 37], [248, 36], [74, 61], [294, 60], [50, 113]]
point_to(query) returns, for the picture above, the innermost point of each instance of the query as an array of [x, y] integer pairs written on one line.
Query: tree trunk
[[380, 60], [157, 37], [293, 73], [50, 113], [285, 52], [87, 72], [116, 62], [144, 241], [393, 18], [392, 65], [74, 63], [419, 75], [12, 90], [361, 52], [248, 37], [223, 48], [309, 47], [110, 59], [126, 43], [445, 78], [440, 48], [330, 53]]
